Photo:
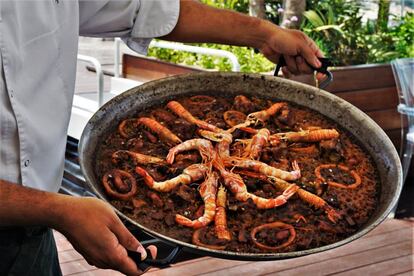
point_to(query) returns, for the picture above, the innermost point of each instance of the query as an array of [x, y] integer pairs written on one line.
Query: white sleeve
[[135, 21]]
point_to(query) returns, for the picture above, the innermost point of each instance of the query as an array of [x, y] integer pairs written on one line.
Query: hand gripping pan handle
[[149, 262], [323, 69]]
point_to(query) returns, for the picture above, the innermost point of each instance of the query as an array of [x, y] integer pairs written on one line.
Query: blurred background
[[349, 32]]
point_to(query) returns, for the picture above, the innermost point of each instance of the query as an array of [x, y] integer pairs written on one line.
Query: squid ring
[[122, 127], [234, 117], [202, 100], [336, 184], [305, 150], [197, 241], [276, 224], [115, 185]]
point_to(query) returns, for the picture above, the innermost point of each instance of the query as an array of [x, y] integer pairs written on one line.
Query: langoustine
[[163, 132], [190, 174], [306, 196], [235, 184], [208, 190], [263, 168]]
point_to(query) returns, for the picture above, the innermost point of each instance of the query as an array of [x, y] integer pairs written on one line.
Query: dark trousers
[[28, 251]]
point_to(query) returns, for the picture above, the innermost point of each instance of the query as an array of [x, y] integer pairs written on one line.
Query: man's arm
[[200, 23], [90, 225]]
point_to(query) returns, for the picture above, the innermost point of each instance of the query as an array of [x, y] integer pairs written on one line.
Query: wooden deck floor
[[387, 250]]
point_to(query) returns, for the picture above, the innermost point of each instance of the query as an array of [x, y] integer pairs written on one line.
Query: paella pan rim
[[371, 136]]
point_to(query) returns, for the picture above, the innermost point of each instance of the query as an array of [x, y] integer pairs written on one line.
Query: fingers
[[123, 263], [302, 65], [291, 65], [286, 72], [127, 240], [320, 77], [153, 250], [310, 52]]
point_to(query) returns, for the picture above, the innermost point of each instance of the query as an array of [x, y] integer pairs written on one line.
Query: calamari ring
[[336, 184], [234, 117], [196, 240], [305, 150], [201, 100], [276, 224], [123, 124], [125, 190]]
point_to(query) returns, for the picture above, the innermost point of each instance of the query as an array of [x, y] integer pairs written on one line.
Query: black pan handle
[[149, 262], [326, 62]]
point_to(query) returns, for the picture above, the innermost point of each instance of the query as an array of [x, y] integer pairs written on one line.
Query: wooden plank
[[372, 99], [226, 267], [76, 267], [388, 119], [388, 267], [337, 264], [177, 269], [99, 272], [198, 268], [69, 256], [387, 231], [358, 77], [145, 69], [406, 273], [361, 77], [63, 245]]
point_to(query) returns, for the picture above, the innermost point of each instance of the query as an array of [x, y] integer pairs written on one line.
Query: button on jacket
[[38, 47]]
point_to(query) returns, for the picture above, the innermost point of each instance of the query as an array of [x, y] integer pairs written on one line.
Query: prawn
[[265, 169], [309, 135], [304, 195], [163, 132], [137, 158], [204, 146], [309, 198], [224, 141], [236, 185], [220, 220], [354, 185], [263, 115], [190, 174], [180, 111], [207, 191], [257, 143]]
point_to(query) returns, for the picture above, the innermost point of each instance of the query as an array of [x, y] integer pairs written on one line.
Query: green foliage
[[338, 29], [248, 59], [403, 36], [236, 5]]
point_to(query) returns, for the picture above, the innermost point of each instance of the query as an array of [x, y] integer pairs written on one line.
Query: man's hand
[[200, 23], [296, 47], [97, 233], [89, 224]]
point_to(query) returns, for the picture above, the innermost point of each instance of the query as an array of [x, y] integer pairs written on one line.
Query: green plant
[[248, 59], [338, 29], [402, 36]]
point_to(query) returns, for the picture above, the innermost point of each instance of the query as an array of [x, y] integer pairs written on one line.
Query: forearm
[[24, 206], [200, 23]]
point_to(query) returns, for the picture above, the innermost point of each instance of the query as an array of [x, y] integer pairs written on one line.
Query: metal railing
[[235, 65], [99, 75]]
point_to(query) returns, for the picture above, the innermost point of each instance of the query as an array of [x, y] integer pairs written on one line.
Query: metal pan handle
[[149, 262], [326, 62]]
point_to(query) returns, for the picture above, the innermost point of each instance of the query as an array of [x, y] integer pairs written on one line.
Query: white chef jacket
[[38, 48]]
